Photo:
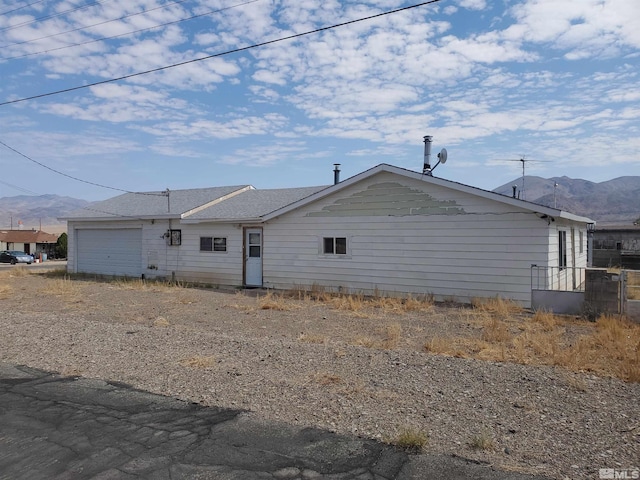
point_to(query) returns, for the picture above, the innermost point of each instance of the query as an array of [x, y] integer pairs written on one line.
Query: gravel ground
[[313, 365]]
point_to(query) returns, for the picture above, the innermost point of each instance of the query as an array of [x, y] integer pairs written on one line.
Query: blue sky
[[555, 81]]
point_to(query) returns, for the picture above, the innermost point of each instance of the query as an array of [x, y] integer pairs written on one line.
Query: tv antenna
[[524, 161]]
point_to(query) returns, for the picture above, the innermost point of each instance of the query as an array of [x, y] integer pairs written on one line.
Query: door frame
[[245, 253]]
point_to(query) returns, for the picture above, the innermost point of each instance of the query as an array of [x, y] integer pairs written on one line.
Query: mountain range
[[37, 212], [615, 201]]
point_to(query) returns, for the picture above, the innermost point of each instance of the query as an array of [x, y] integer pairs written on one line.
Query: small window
[[219, 244], [562, 249], [335, 245], [618, 245], [206, 244], [175, 237], [581, 239], [213, 244]]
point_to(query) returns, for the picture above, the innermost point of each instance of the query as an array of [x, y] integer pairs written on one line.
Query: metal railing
[[568, 279]]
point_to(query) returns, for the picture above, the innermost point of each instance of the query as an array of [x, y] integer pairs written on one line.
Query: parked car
[[14, 256]]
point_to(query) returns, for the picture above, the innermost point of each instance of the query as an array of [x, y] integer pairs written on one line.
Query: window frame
[[337, 243], [581, 239], [175, 237], [213, 243], [562, 249]]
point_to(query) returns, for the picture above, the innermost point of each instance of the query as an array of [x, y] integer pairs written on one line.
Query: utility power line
[[76, 178], [53, 15], [23, 6], [115, 36], [228, 52], [93, 25]]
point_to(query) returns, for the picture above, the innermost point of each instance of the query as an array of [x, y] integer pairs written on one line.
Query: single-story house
[[617, 246], [34, 242], [387, 230]]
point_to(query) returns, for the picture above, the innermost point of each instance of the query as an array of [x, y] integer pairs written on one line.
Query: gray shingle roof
[[150, 204], [253, 204]]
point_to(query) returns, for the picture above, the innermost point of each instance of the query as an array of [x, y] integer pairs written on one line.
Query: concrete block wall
[[602, 292]]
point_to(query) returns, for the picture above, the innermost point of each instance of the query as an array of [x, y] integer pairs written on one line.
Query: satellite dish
[[442, 156]]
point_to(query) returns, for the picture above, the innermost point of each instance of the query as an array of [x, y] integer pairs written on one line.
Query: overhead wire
[[215, 55], [20, 8], [93, 25], [76, 178], [114, 36], [176, 65], [53, 15]]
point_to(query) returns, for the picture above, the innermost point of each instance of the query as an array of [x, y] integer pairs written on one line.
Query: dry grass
[[161, 322], [391, 336], [496, 306], [199, 361], [271, 301], [18, 271], [5, 290], [410, 439], [388, 338], [483, 441], [64, 287], [496, 331], [327, 379], [312, 338], [359, 304], [546, 320], [610, 346]]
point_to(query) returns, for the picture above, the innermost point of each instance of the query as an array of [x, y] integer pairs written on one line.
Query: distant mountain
[[34, 211], [615, 201]]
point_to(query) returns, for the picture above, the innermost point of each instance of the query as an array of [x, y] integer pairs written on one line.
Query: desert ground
[[536, 393]]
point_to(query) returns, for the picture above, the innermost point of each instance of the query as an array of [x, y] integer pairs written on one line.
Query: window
[[562, 249], [213, 244], [175, 237], [581, 239], [335, 245], [219, 244]]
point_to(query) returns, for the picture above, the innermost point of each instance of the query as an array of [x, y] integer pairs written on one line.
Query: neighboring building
[[617, 246], [34, 242], [386, 230]]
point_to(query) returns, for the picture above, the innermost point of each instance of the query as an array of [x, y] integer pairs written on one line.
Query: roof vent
[[442, 156]]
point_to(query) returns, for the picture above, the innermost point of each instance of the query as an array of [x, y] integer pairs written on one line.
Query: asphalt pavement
[[69, 428]]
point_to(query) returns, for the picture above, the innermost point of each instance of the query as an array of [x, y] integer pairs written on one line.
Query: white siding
[[484, 249], [215, 268], [159, 260]]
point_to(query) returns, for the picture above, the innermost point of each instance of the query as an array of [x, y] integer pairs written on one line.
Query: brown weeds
[[5, 290], [312, 338], [199, 361], [270, 301], [611, 346]]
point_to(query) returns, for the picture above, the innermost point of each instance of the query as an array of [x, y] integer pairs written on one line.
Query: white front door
[[253, 257]]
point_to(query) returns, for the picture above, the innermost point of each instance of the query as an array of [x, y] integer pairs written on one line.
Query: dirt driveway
[[382, 370]]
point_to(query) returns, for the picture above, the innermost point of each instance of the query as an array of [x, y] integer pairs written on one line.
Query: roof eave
[[192, 221], [532, 207], [123, 218]]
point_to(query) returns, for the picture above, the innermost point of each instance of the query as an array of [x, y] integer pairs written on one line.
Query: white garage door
[[110, 252]]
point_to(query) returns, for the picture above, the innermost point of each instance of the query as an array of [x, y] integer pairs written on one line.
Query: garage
[[109, 251]]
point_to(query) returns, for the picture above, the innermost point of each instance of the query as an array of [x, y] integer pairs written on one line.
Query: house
[[34, 242], [617, 245], [386, 230]]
